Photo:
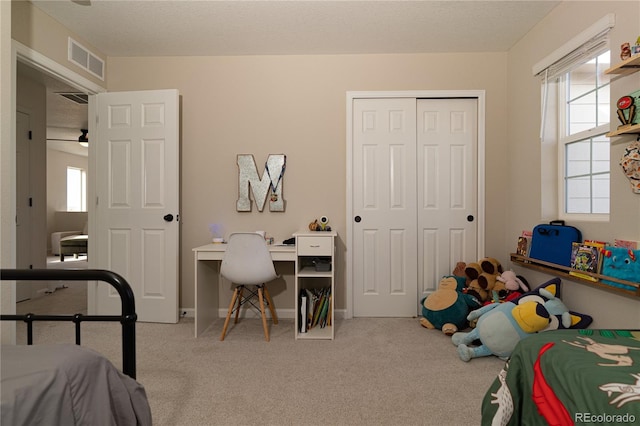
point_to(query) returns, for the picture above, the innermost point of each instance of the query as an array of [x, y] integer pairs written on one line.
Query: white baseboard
[[250, 313]]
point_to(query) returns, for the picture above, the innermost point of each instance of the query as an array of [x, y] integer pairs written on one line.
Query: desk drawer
[[314, 246]]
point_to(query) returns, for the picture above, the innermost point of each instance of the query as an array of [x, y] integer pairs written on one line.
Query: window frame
[[564, 139]]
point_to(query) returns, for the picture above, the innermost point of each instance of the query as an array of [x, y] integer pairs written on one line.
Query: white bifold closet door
[[414, 199]]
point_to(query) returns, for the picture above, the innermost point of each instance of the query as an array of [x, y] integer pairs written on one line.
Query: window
[[76, 190], [584, 148], [575, 120]]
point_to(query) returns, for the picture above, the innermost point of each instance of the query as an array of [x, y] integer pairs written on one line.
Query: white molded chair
[[247, 262]]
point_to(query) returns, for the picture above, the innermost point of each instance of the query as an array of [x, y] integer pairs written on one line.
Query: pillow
[[553, 286]]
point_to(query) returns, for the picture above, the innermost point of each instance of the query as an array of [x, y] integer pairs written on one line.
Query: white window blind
[[588, 44], [589, 49], [587, 39]]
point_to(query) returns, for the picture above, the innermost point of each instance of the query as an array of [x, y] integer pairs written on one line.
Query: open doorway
[[66, 115]]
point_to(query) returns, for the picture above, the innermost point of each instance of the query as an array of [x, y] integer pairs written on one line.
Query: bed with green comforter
[[568, 377]]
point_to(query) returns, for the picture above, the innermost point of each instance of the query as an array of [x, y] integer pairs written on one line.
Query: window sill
[[563, 271]]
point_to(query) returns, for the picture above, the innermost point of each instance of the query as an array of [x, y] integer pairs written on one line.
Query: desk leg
[[207, 277]]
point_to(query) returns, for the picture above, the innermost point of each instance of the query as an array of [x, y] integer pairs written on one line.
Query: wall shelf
[[626, 130], [563, 271], [626, 67]]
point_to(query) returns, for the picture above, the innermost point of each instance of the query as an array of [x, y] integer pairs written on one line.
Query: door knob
[[357, 219], [470, 218], [168, 217]]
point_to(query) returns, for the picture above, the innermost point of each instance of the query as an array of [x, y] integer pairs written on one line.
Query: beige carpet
[[378, 371]]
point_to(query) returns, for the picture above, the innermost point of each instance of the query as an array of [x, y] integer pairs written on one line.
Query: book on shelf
[[524, 243], [302, 321], [630, 244], [318, 304], [586, 257]]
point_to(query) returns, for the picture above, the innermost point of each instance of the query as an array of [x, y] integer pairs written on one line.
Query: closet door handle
[[470, 218], [357, 219], [168, 217]]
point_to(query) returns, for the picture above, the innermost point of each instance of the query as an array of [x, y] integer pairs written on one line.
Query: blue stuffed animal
[[502, 325], [447, 308], [621, 263], [561, 316]]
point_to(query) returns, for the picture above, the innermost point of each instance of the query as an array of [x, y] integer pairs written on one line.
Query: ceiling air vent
[[82, 57], [79, 98]]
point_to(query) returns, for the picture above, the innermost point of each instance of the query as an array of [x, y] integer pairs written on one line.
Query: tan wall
[[296, 105], [524, 150], [39, 31]]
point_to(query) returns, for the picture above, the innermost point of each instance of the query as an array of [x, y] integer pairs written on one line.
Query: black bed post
[[128, 317]]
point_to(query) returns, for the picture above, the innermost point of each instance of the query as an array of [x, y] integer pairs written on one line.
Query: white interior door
[[137, 195], [414, 192], [384, 199], [447, 187]]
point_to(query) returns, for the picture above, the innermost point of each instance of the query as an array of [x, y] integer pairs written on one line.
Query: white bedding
[[67, 384]]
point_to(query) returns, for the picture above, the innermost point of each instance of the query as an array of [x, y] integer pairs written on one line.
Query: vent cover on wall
[[77, 97], [82, 57]]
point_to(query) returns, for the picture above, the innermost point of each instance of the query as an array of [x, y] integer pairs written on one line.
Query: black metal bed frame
[[127, 318]]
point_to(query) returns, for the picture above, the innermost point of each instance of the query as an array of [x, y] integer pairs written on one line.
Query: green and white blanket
[[568, 377]]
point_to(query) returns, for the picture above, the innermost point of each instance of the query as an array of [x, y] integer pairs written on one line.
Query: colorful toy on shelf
[[636, 49], [630, 164], [626, 105], [621, 263], [323, 225], [625, 51]]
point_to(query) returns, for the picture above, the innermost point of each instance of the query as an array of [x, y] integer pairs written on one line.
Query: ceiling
[[294, 27], [268, 27]]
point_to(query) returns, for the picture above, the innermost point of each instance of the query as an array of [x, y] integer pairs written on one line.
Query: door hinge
[[30, 202], [30, 135], [30, 266]]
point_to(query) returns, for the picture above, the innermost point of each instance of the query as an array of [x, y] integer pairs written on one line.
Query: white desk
[[207, 278]]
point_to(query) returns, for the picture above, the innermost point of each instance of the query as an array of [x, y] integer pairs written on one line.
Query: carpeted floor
[[377, 371]]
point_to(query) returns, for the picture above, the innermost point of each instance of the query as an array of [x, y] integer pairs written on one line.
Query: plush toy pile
[[498, 307], [467, 289]]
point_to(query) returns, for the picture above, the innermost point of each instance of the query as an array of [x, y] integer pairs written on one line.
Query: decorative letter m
[[269, 185]]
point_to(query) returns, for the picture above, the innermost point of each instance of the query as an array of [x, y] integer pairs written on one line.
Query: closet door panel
[[384, 188]]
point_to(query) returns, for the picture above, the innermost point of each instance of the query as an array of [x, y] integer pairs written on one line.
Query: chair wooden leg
[[264, 317], [272, 308], [226, 321], [239, 303]]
